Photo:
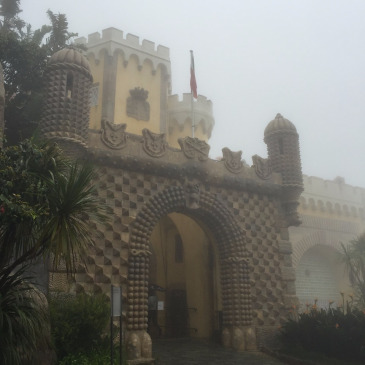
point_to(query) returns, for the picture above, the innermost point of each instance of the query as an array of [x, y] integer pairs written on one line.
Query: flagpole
[[192, 116], [193, 90]]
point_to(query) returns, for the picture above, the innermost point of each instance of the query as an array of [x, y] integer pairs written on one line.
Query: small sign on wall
[[116, 307], [160, 306]]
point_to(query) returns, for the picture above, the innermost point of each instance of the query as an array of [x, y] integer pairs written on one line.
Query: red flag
[[193, 86]]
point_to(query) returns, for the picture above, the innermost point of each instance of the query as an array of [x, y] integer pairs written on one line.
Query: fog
[[254, 59]]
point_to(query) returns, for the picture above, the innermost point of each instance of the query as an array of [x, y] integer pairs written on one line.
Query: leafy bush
[[331, 332], [79, 324], [94, 357]]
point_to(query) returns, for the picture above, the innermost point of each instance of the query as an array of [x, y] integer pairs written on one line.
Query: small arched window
[[69, 85]]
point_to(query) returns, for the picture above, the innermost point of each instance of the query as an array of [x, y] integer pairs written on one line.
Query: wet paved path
[[198, 352]]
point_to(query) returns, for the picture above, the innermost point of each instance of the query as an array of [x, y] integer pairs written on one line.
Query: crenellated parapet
[[332, 198], [180, 115], [112, 40]]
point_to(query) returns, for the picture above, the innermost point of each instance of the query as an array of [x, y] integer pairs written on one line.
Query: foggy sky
[[254, 59]]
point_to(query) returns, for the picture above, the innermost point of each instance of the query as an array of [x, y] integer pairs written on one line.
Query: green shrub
[[79, 324], [329, 332], [94, 357]]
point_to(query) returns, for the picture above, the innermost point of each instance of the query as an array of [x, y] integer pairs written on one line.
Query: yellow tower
[[132, 86]]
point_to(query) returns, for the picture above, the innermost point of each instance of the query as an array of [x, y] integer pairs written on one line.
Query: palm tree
[[354, 259], [59, 34], [22, 319], [9, 10], [46, 203]]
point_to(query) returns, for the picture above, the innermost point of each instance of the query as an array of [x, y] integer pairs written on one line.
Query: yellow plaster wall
[[199, 275], [196, 274], [165, 272], [97, 70], [130, 77]]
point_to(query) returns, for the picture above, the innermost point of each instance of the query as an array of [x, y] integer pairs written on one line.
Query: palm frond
[[23, 319], [72, 205]]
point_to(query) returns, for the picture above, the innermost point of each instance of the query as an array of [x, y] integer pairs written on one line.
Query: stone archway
[[237, 308]]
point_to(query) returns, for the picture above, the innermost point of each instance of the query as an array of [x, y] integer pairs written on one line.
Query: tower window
[[179, 250], [69, 85]]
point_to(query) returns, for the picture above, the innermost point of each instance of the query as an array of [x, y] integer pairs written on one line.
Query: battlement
[[180, 112], [112, 40], [332, 196], [335, 189], [201, 105]]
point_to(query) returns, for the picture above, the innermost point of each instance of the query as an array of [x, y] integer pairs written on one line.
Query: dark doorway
[[177, 315]]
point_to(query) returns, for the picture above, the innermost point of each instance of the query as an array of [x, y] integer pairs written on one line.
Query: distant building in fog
[[332, 213]]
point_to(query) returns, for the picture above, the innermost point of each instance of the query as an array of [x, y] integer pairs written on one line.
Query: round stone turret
[[282, 142], [66, 106]]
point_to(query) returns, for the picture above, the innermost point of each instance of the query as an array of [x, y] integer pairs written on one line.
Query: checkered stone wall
[[255, 278]]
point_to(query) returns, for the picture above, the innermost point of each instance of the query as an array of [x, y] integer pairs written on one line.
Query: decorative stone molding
[[194, 148], [113, 135], [154, 144], [171, 165], [137, 105], [232, 160], [236, 260], [262, 167], [145, 253], [192, 194]]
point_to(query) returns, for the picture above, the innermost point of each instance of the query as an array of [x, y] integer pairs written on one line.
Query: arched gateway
[[233, 258], [141, 179]]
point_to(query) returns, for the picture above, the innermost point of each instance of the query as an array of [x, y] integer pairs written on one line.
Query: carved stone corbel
[[194, 148], [113, 135], [262, 167], [232, 160], [154, 144]]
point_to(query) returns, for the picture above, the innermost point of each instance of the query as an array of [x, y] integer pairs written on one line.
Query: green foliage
[[22, 319], [93, 357], [59, 34], [9, 10], [354, 259], [331, 332], [79, 324], [46, 202], [24, 55]]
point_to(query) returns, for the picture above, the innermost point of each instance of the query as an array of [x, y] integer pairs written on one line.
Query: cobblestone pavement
[[199, 352]]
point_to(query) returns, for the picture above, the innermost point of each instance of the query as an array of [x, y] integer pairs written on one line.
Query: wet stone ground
[[199, 352]]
